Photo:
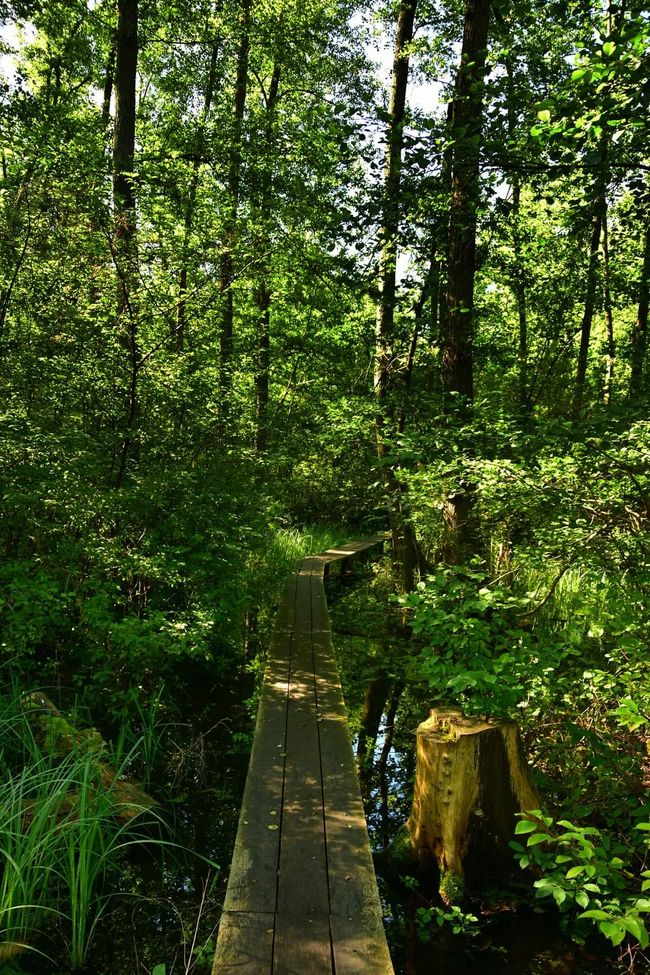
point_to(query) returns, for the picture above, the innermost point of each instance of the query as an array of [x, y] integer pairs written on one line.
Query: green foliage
[[62, 840], [591, 876], [458, 921]]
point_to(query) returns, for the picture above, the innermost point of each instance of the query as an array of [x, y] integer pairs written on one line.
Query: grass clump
[[64, 834]]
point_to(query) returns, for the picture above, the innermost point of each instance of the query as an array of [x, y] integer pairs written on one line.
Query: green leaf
[[559, 896], [574, 872], [525, 826], [637, 929], [544, 115], [538, 838], [613, 931]]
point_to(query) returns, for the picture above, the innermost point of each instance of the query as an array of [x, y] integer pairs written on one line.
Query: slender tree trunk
[[590, 302], [124, 202], [108, 87], [609, 318], [404, 542], [263, 295], [429, 291], [520, 294], [124, 126], [181, 308], [518, 279], [640, 332], [467, 118], [227, 270], [458, 336]]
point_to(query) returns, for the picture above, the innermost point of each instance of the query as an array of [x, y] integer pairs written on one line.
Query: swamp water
[[509, 936]]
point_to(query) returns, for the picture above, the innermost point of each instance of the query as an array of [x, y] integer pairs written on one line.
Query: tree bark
[[609, 318], [590, 303], [227, 269], [181, 307], [404, 543], [466, 127], [518, 279], [471, 780], [640, 332], [124, 202], [108, 87], [458, 323], [263, 295]]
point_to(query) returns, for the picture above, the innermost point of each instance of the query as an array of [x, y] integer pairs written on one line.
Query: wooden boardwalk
[[302, 896]]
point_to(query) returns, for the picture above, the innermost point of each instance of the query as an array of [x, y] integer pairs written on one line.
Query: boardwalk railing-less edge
[[302, 895]]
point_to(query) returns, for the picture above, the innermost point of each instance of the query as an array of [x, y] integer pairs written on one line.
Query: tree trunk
[[227, 270], [458, 323], [181, 308], [518, 284], [640, 333], [124, 126], [124, 201], [471, 780], [263, 295], [404, 543], [108, 87], [590, 301], [466, 127], [263, 365], [609, 318]]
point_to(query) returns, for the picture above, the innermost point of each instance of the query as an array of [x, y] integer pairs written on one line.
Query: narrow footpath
[[302, 895]]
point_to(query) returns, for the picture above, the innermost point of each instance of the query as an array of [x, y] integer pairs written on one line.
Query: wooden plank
[[302, 899], [302, 881], [352, 883], [244, 945], [359, 947], [252, 883], [286, 608], [302, 946]]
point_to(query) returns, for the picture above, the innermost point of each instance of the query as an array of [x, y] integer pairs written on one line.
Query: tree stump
[[471, 780]]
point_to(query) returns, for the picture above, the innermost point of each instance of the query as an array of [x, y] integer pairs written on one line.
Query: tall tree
[[226, 269], [188, 221], [466, 126], [403, 536], [458, 336], [124, 201], [640, 332], [263, 292]]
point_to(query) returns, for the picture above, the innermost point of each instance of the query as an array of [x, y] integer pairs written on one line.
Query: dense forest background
[[276, 273]]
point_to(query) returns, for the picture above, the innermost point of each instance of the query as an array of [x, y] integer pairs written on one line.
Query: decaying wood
[[471, 780], [58, 736]]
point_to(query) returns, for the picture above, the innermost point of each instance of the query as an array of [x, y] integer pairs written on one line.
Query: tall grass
[[63, 833]]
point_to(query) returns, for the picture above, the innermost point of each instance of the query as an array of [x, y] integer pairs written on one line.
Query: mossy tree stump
[[471, 780]]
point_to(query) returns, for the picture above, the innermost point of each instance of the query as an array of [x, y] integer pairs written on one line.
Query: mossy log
[[471, 780], [59, 737]]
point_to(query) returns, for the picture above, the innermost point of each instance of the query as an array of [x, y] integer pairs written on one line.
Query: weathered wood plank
[[302, 881], [352, 882], [359, 947], [302, 946], [252, 883], [245, 945], [286, 607]]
